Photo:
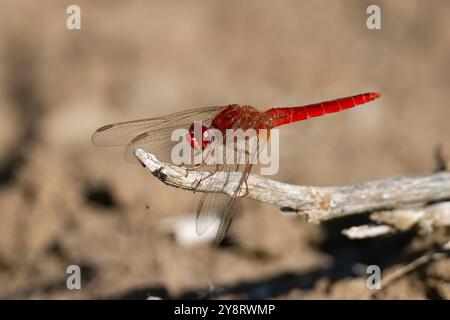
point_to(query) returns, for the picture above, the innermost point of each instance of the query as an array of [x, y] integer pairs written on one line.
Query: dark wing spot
[[139, 137], [105, 128]]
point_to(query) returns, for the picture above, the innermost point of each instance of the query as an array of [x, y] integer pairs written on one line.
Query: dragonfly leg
[[190, 168], [246, 188], [182, 165], [196, 184]]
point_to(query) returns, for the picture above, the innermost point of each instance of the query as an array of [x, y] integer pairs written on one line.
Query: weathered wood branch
[[406, 194], [427, 218]]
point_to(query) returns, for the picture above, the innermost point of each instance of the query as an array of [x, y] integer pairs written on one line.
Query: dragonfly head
[[199, 139]]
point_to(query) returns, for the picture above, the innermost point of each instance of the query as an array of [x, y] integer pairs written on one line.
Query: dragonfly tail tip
[[375, 95]]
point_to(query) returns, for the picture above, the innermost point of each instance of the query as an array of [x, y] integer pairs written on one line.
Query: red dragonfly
[[155, 135]]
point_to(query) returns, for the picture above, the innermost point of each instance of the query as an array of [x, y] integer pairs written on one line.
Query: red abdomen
[[284, 115]]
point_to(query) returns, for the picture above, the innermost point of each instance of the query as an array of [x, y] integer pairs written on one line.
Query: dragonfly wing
[[122, 133], [227, 216], [212, 204], [210, 209], [153, 133], [158, 142], [245, 163], [217, 205]]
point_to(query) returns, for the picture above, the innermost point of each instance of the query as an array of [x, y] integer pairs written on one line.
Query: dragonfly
[[154, 134]]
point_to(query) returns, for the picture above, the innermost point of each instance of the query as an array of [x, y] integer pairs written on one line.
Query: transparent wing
[[227, 216], [153, 134], [212, 204], [219, 205]]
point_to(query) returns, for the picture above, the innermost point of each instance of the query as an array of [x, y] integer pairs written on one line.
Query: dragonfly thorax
[[237, 116], [225, 119]]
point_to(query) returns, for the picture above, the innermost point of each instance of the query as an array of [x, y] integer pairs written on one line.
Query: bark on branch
[[409, 196]]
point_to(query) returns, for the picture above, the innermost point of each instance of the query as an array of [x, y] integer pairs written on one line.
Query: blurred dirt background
[[64, 201]]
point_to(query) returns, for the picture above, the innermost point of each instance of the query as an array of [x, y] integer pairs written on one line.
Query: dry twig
[[399, 202], [396, 204]]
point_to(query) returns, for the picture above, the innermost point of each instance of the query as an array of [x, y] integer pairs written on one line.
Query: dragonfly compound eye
[[200, 139]]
